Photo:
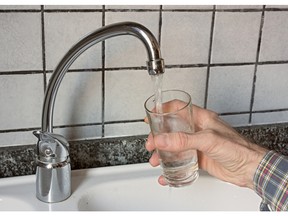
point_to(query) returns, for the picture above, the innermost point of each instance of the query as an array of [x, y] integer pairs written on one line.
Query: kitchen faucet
[[53, 169]]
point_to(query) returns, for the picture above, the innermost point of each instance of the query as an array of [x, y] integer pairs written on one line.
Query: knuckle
[[214, 115], [183, 141], [210, 134]]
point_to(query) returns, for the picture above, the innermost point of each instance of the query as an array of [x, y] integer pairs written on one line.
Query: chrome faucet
[[53, 171]]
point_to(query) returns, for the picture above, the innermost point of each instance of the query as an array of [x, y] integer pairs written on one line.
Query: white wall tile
[[72, 6], [155, 7], [185, 7], [239, 6], [230, 88], [127, 50], [235, 37], [21, 99], [126, 91], [185, 37], [79, 99], [80, 133], [125, 94], [276, 6], [177, 78], [269, 117], [271, 87], [236, 120], [19, 7], [274, 46], [126, 129], [63, 30], [17, 138], [20, 41]]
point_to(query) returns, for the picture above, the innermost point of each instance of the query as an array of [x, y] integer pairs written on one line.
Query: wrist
[[255, 158]]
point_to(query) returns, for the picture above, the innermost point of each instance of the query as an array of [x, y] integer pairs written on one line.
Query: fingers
[[154, 159], [162, 181], [173, 142], [176, 142], [201, 116], [149, 145], [172, 106]]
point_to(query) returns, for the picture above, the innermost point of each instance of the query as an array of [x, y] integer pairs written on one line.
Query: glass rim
[[166, 113]]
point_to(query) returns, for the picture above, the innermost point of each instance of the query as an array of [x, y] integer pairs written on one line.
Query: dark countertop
[[20, 160]]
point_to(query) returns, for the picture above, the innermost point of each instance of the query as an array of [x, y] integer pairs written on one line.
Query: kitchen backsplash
[[231, 59]]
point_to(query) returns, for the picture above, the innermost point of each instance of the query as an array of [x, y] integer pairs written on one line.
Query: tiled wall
[[232, 59]]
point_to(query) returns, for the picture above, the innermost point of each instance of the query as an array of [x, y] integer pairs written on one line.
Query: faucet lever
[[51, 147]]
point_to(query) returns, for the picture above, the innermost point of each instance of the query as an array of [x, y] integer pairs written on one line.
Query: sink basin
[[129, 187]]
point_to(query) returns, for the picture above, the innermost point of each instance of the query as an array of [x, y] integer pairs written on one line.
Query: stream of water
[[157, 81]]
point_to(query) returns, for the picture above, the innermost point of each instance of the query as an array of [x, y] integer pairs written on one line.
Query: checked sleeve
[[271, 181]]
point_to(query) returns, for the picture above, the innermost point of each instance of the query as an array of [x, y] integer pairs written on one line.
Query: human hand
[[222, 151]]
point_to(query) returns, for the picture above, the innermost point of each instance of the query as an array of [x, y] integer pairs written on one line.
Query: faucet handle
[[51, 148]]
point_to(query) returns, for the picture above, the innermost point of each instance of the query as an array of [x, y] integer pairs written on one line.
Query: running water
[[179, 168], [157, 80]]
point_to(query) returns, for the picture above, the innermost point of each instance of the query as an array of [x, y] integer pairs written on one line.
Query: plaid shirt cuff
[[271, 181]]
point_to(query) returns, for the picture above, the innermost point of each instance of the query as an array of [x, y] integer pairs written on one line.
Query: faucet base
[[53, 185]]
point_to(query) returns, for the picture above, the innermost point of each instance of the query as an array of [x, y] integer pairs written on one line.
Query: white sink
[[129, 187]]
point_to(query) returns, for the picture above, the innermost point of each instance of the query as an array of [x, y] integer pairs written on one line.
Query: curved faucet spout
[[155, 63]]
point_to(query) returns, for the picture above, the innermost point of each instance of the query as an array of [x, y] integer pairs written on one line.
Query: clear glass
[[179, 168]]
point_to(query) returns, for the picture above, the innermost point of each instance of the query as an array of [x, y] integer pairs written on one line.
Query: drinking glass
[[172, 113]]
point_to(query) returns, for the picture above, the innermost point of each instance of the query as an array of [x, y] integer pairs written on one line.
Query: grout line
[[268, 111], [256, 64], [236, 10], [19, 130], [187, 66], [133, 121], [126, 68], [234, 113], [77, 125], [54, 127], [43, 48], [20, 11], [231, 64], [131, 10], [256, 111], [125, 121], [71, 125], [276, 9], [273, 62], [160, 25], [240, 10], [21, 72], [144, 67], [83, 70], [103, 78], [209, 57], [72, 10]]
